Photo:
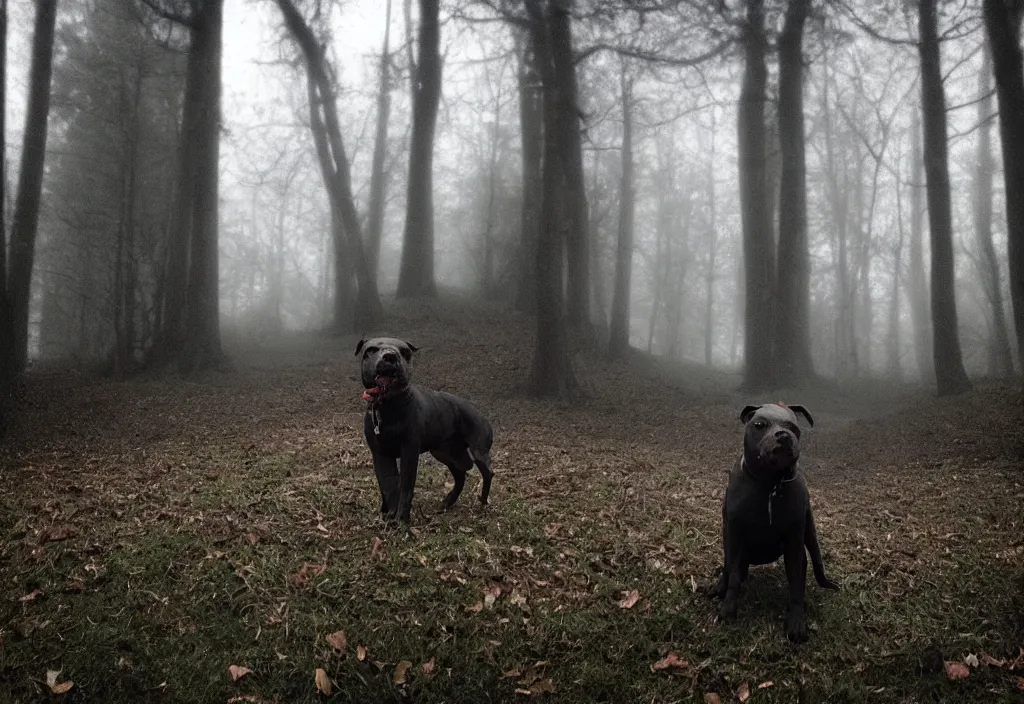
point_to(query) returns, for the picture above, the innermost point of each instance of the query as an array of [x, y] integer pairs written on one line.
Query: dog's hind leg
[[482, 460], [458, 462]]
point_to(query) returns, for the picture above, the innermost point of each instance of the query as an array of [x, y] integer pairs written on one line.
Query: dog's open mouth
[[383, 381]]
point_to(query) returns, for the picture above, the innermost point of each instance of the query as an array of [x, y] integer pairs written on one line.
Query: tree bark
[[30, 182], [949, 368], [1000, 354], [709, 277], [618, 342], [551, 372], [7, 366], [202, 345], [758, 254], [531, 124], [571, 154], [793, 342], [918, 282], [416, 275], [893, 365], [1002, 22], [378, 182]]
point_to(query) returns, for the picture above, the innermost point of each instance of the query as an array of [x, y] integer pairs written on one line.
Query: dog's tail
[[811, 542]]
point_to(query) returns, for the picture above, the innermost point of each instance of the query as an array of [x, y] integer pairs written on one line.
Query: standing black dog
[[767, 513], [403, 421]]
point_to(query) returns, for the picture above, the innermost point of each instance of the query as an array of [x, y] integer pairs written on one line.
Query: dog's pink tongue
[[383, 381]]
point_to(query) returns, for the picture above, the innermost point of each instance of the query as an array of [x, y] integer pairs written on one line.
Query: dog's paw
[[796, 625], [728, 610], [829, 584]]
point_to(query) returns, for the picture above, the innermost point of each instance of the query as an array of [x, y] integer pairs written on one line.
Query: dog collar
[[374, 397], [775, 489]]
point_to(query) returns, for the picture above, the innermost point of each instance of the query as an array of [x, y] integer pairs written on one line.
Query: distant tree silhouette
[[25, 222], [950, 375], [416, 277]]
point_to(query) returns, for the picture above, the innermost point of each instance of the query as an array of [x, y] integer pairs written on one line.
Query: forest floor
[[157, 531]]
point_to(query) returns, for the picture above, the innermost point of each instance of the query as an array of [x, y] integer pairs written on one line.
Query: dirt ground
[[158, 531]]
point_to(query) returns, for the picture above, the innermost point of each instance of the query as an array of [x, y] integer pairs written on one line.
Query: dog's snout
[[783, 436], [390, 357]]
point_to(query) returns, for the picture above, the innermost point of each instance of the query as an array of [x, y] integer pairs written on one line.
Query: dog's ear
[[408, 349], [359, 347], [747, 412], [803, 411]]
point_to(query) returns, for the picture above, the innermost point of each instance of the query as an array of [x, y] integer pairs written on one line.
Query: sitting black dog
[[767, 513], [403, 421]]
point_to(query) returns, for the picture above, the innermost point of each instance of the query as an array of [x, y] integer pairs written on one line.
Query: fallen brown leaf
[[427, 668], [524, 692], [475, 608], [323, 682], [337, 640], [401, 672], [491, 595], [31, 596], [712, 698], [377, 550], [237, 672], [360, 653], [989, 660], [543, 687], [743, 693], [1020, 682], [956, 670], [55, 534], [253, 538], [670, 660], [55, 686], [307, 573], [629, 599], [766, 685]]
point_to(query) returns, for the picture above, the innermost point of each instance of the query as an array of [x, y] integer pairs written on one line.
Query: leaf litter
[[623, 489]]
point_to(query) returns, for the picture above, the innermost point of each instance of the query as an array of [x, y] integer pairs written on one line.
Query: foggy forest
[[601, 228]]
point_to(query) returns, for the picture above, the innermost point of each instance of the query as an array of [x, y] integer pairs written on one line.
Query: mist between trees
[[799, 190]]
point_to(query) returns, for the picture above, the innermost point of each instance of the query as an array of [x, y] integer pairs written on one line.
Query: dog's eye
[[370, 350], [760, 424]]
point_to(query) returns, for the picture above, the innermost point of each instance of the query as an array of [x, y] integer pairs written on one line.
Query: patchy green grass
[[154, 533]]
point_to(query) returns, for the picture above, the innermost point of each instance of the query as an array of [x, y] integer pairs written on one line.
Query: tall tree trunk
[[202, 346], [949, 367], [571, 154], [531, 125], [893, 366], [30, 182], [1003, 21], [124, 289], [758, 254], [7, 357], [838, 179], [378, 182], [171, 334], [709, 295], [488, 285], [551, 373], [793, 341], [334, 170], [416, 276], [618, 343], [1001, 355], [918, 283]]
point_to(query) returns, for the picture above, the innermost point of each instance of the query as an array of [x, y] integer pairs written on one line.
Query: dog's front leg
[[735, 567], [409, 464], [386, 469], [796, 576]]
